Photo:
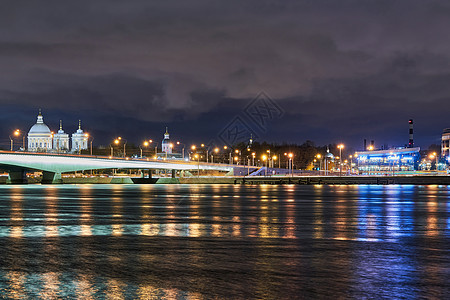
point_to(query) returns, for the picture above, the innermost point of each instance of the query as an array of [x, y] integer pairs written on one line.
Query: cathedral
[[42, 139]]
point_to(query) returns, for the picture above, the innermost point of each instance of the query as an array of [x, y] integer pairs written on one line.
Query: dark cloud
[[340, 69]]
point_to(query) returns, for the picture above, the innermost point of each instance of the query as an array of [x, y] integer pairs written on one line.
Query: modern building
[[445, 145], [79, 139], [40, 138], [386, 161], [61, 140]]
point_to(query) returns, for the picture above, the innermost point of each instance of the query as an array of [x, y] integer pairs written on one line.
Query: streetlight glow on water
[[138, 241]]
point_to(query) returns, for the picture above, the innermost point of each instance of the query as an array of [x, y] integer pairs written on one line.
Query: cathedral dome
[[39, 127]]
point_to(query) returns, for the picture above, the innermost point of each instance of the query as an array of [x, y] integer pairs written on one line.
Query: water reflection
[[122, 241]]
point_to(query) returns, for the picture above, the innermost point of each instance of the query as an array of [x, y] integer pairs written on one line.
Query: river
[[224, 241]]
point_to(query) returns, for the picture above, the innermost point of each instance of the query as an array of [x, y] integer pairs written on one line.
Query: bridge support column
[[174, 172], [51, 177], [17, 177], [150, 173]]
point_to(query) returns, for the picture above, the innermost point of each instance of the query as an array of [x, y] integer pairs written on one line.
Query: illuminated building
[[61, 139], [79, 139], [445, 145], [384, 161], [167, 149], [40, 137], [165, 144]]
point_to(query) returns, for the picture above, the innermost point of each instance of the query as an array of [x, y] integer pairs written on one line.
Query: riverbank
[[302, 180]]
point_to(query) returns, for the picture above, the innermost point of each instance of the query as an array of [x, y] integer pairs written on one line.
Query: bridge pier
[[51, 177], [17, 177], [174, 172]]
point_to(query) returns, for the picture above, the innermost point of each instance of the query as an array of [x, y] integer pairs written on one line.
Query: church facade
[[42, 139]]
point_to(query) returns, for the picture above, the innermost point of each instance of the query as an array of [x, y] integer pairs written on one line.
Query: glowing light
[[264, 157], [290, 155], [193, 147], [146, 143], [216, 150]]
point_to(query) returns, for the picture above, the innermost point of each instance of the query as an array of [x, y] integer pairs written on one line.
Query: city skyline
[[339, 72]]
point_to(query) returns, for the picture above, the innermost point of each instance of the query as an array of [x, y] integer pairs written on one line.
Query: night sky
[[330, 71]]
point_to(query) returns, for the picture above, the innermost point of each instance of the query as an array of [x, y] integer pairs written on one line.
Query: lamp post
[[291, 167], [178, 143], [92, 140], [264, 158], [253, 158], [340, 147], [216, 150], [193, 148], [319, 157], [432, 156], [15, 134], [351, 164], [145, 144], [198, 164]]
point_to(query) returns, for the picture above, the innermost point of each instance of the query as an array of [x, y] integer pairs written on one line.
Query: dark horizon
[[338, 72]]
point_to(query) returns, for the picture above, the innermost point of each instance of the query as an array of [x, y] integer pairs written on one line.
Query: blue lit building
[[386, 161]]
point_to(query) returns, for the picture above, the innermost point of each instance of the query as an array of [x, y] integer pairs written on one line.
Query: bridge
[[53, 165]]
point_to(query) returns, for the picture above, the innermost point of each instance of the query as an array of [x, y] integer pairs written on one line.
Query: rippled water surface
[[224, 241]]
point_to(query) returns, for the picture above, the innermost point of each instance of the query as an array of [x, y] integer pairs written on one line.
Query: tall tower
[[61, 139], [165, 144], [411, 134], [79, 139]]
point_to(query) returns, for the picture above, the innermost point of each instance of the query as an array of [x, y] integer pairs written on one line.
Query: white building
[[166, 146], [61, 140], [445, 145], [79, 140], [40, 138]]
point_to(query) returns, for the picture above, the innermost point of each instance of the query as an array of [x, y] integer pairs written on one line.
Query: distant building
[[79, 139], [385, 161], [40, 137], [61, 139], [445, 145], [167, 149], [166, 146]]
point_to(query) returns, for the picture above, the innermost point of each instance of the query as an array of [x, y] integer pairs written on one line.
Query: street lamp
[[198, 164], [290, 155], [340, 147], [15, 134], [320, 162], [264, 158], [91, 138], [216, 150], [432, 156], [274, 158], [178, 143], [351, 164], [145, 144]]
